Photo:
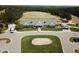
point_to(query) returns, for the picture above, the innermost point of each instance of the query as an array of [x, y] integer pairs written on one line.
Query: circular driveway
[[15, 45]]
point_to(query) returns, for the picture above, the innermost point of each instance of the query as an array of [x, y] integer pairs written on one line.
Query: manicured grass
[[52, 29], [73, 25], [44, 29], [28, 47], [74, 29], [22, 28], [27, 29]]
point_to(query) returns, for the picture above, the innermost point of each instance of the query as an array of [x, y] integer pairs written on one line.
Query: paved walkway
[[15, 45]]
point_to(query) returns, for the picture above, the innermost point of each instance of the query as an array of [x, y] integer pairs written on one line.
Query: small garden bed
[[74, 39]]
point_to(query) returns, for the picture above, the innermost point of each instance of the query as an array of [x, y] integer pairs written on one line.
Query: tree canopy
[[13, 13]]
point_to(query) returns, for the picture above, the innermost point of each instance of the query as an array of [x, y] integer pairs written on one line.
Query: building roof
[[39, 22]]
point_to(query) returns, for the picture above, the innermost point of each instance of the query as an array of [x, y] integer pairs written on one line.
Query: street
[[15, 45]]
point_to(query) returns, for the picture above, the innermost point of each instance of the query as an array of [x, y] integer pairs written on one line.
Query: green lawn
[[44, 29], [74, 29], [27, 29], [28, 47], [22, 28], [52, 29], [73, 25]]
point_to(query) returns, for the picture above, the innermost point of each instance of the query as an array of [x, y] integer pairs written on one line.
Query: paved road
[[15, 45]]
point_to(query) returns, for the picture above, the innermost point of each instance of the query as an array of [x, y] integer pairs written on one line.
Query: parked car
[[12, 30], [65, 27]]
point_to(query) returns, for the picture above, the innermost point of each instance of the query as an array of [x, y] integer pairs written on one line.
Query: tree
[[12, 14], [1, 27], [68, 16]]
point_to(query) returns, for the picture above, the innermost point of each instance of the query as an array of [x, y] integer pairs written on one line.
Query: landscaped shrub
[[74, 29], [19, 27], [74, 39], [49, 26]]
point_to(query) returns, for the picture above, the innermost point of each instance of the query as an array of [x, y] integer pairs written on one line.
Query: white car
[[12, 30], [65, 27]]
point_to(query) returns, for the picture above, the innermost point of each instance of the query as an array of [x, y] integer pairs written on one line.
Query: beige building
[[39, 19]]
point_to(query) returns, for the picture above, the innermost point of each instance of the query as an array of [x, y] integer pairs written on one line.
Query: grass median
[[28, 47]]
